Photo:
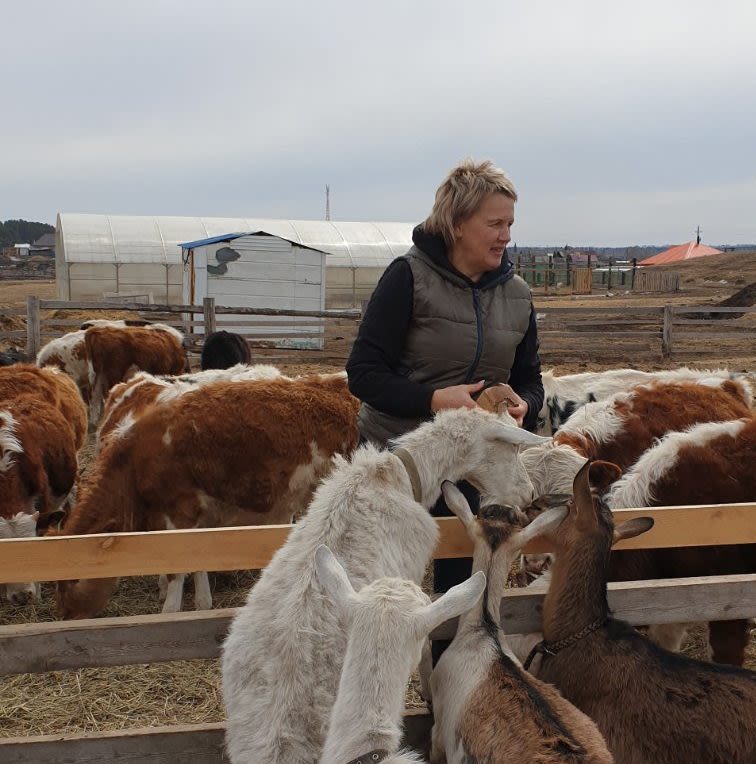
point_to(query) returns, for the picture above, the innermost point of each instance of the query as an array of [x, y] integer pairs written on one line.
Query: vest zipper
[[479, 346]]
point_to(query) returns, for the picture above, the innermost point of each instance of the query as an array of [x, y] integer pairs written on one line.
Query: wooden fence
[[262, 327], [41, 647], [566, 333], [652, 280]]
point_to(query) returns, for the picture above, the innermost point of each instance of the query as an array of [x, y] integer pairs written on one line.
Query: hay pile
[[183, 692]]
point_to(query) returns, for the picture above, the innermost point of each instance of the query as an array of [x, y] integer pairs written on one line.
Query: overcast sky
[[620, 123]]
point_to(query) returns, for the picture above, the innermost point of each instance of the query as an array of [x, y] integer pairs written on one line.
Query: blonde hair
[[462, 192]]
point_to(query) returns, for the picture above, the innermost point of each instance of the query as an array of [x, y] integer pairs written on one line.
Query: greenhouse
[[110, 256]]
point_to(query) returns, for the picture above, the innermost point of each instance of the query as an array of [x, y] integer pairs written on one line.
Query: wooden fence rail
[[58, 558], [41, 647], [562, 330], [158, 638]]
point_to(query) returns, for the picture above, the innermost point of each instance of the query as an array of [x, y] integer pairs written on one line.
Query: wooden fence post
[[208, 309], [33, 333], [667, 331]]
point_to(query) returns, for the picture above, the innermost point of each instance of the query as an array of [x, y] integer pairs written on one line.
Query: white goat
[[386, 623], [284, 651], [486, 707]]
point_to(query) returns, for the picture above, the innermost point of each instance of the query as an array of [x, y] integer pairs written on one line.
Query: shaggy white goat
[[285, 648], [386, 622]]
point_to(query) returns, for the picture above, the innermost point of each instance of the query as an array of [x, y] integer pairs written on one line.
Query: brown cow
[[115, 354], [69, 354], [228, 453], [621, 428], [712, 463], [49, 385], [128, 400], [42, 425]]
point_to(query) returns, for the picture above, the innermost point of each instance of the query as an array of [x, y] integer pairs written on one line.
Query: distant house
[[44, 245], [687, 251], [22, 250]]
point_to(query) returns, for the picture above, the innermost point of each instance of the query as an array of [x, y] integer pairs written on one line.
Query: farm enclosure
[[186, 693]]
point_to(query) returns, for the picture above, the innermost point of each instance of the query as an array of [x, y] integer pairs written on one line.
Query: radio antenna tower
[[328, 202]]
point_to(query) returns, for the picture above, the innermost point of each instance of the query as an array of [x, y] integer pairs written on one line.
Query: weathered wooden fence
[[41, 647], [261, 327], [566, 333], [631, 332], [653, 280]]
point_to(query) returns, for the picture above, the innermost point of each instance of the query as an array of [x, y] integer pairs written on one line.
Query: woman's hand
[[457, 397], [516, 406]]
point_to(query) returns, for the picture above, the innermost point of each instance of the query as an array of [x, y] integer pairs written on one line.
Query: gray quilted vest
[[458, 334]]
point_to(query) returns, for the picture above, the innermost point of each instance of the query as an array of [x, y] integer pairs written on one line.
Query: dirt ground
[[188, 692]]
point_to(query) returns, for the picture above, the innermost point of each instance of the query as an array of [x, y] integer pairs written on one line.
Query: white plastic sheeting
[[85, 238]]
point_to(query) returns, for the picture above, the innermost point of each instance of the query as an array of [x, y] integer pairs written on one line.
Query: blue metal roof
[[239, 234], [216, 239]]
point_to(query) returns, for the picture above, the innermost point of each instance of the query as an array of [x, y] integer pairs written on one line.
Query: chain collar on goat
[[545, 648]]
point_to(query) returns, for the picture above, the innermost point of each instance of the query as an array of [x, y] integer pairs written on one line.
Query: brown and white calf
[[486, 707], [43, 423], [622, 427], [127, 401], [566, 394], [115, 353], [651, 705], [712, 463], [69, 354], [227, 453], [51, 386], [42, 426]]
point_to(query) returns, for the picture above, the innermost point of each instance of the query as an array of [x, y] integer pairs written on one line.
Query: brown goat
[[486, 707], [651, 705]]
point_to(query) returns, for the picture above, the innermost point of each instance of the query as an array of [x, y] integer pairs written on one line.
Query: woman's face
[[481, 239]]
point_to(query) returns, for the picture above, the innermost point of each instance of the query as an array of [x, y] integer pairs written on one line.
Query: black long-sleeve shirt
[[374, 369]]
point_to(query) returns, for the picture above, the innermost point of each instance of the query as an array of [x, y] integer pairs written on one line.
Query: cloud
[[148, 107]]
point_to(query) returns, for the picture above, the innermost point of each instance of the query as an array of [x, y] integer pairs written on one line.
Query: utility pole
[[698, 235], [328, 202]]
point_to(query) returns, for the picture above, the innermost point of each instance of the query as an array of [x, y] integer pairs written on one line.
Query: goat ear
[[459, 599], [507, 433], [602, 475], [333, 577], [632, 528], [582, 498], [547, 522], [457, 503]]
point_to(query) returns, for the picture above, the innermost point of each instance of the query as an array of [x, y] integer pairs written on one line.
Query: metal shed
[[258, 270], [100, 256]]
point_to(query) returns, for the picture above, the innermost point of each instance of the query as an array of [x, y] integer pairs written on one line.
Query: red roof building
[[686, 251]]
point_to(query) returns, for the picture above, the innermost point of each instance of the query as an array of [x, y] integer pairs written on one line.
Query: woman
[[450, 316], [446, 320]]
